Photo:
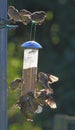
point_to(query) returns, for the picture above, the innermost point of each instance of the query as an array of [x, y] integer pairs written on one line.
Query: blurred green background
[[57, 37]]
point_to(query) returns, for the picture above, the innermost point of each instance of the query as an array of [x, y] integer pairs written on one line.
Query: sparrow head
[[16, 84], [18, 80], [24, 12], [11, 7], [42, 75]]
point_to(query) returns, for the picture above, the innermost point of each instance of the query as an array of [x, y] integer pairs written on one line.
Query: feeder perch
[[30, 63]]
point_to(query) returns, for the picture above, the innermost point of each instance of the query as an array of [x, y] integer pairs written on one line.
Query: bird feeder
[[30, 63]]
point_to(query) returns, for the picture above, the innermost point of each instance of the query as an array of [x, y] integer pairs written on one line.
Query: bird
[[16, 84], [46, 79], [38, 17], [44, 95], [42, 80], [25, 15], [26, 19], [32, 102], [13, 14], [29, 105], [45, 98], [50, 102], [24, 107]]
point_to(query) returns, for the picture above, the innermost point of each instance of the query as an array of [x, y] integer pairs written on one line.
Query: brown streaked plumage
[[25, 15], [29, 105], [25, 19], [32, 102], [38, 17], [14, 14]]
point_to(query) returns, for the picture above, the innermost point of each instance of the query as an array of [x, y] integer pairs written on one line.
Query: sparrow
[[26, 19], [45, 98], [42, 80], [24, 107], [38, 17], [25, 15], [29, 105], [13, 14], [46, 79], [16, 84], [35, 106]]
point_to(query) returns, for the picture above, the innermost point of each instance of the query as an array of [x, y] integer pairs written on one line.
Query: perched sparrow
[[46, 99], [24, 107], [14, 14], [46, 79], [16, 84], [25, 15], [28, 104], [25, 19], [52, 78], [38, 17], [43, 81]]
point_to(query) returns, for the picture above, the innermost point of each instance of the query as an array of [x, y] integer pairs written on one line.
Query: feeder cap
[[31, 44]]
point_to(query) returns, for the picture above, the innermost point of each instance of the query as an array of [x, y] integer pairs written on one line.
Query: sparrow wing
[[52, 79], [51, 102], [25, 19], [29, 105], [25, 15]]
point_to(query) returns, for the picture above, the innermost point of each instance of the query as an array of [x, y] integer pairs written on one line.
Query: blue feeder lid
[[31, 44]]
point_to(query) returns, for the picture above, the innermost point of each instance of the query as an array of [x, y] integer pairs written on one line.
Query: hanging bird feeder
[[30, 63]]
